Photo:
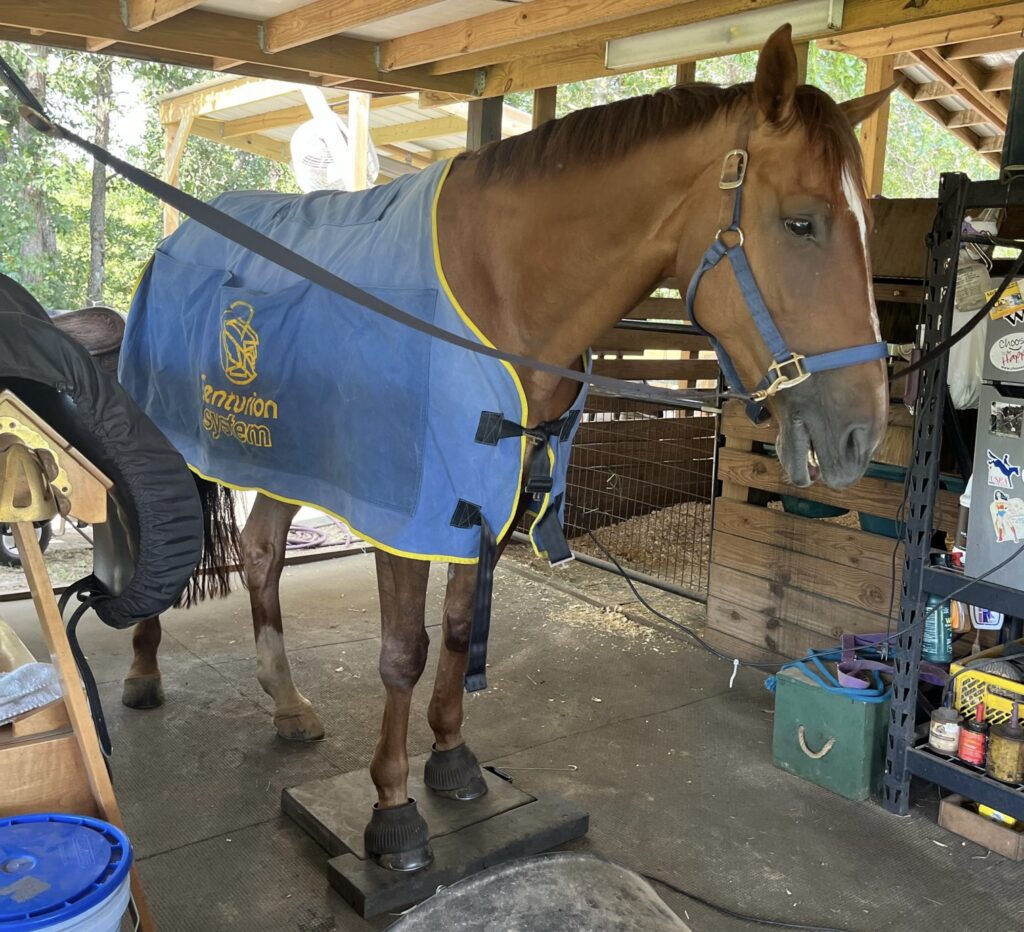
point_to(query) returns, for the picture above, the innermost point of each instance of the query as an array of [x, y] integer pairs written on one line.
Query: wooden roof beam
[[223, 96], [886, 17], [420, 129], [141, 14], [325, 18], [991, 45], [933, 90], [921, 26], [292, 116], [998, 79], [989, 144], [214, 35], [518, 23], [259, 145], [962, 76], [966, 118], [941, 116]]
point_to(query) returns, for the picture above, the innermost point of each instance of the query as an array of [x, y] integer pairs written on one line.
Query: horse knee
[[402, 660], [458, 620], [260, 558]]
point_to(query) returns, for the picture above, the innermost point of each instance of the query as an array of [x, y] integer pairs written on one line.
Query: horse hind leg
[[397, 837], [143, 686], [452, 769], [264, 540]]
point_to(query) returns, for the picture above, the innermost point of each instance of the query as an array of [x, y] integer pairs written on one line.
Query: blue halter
[[787, 368]]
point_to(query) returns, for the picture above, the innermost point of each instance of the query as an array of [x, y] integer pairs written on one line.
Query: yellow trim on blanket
[[543, 505], [525, 413], [433, 558]]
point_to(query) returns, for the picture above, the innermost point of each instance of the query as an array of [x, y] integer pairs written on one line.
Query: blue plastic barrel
[[62, 873]]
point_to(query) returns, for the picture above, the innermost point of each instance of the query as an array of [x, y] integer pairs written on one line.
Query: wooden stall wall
[[784, 582]]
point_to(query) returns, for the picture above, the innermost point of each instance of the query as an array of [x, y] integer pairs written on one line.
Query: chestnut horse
[[548, 239]]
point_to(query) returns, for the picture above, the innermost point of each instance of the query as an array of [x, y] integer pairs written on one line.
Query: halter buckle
[[781, 381], [734, 169]]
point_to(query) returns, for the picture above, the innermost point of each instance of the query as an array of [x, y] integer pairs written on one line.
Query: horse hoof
[[455, 774], [143, 692], [398, 839], [304, 725]]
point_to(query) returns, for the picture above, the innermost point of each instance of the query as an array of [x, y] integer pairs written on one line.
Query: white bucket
[[105, 916]]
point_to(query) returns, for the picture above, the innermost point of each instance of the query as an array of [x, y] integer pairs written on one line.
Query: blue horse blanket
[[265, 381]]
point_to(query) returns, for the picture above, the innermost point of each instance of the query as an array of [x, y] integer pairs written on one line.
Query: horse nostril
[[859, 444]]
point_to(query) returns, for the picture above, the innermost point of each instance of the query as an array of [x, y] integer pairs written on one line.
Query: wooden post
[[802, 50], [175, 136], [544, 100], [484, 124], [874, 131], [358, 137], [686, 73]]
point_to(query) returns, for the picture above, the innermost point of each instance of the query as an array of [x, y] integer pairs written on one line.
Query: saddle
[[152, 541], [99, 329]]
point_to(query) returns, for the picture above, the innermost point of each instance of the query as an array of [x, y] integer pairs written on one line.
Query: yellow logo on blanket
[[229, 413], [239, 343]]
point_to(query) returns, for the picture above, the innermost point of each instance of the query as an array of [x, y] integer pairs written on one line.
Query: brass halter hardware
[[779, 381]]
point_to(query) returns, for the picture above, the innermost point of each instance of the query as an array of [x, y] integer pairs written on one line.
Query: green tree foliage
[[59, 177]]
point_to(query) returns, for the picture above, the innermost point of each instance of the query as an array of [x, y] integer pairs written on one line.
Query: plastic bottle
[[937, 645]]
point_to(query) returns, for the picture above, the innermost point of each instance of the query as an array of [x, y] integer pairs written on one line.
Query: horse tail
[[222, 545]]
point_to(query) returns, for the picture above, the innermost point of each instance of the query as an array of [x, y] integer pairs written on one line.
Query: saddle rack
[[50, 758]]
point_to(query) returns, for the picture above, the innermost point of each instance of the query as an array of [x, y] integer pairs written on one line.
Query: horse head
[[787, 201]]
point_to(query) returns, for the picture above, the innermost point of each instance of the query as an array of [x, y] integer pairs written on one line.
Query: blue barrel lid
[[54, 867]]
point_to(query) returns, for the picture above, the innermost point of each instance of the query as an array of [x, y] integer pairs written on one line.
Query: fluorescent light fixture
[[736, 33]]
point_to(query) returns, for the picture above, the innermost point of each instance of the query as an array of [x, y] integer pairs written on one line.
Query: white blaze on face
[[856, 207]]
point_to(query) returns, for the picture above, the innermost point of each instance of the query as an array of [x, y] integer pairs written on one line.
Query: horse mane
[[608, 132]]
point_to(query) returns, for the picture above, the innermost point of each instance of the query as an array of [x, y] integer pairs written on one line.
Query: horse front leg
[[452, 769], [264, 540], [143, 687], [397, 836]]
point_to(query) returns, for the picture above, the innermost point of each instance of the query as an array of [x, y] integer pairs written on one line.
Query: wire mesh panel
[[642, 480]]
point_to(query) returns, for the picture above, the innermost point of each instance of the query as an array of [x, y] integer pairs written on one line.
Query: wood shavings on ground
[[672, 544]]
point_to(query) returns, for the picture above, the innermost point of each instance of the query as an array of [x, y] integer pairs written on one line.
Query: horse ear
[[775, 81], [860, 108]]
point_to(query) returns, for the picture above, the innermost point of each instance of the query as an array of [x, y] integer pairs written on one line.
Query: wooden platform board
[[466, 837]]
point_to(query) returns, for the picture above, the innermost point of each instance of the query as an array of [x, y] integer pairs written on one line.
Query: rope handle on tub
[[801, 736]]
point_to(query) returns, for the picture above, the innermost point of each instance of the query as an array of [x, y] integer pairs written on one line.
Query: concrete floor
[[673, 766]]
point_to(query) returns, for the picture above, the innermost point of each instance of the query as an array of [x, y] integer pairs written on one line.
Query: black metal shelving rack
[[906, 758]]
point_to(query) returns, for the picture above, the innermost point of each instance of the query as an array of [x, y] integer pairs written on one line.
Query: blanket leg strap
[[476, 663]]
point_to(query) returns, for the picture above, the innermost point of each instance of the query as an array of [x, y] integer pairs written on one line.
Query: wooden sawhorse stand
[[50, 759]]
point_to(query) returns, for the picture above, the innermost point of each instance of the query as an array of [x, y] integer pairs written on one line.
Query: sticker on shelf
[[1006, 419], [1007, 518], [1001, 472], [1010, 304], [1007, 353]]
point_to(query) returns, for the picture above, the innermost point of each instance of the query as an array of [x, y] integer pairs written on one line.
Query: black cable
[[742, 917]]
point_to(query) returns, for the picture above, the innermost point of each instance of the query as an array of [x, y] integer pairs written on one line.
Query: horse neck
[[546, 264]]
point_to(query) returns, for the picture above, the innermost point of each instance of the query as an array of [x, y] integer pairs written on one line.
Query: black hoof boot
[[455, 774], [398, 839]]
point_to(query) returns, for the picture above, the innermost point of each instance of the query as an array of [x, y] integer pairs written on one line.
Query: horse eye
[[798, 226]]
